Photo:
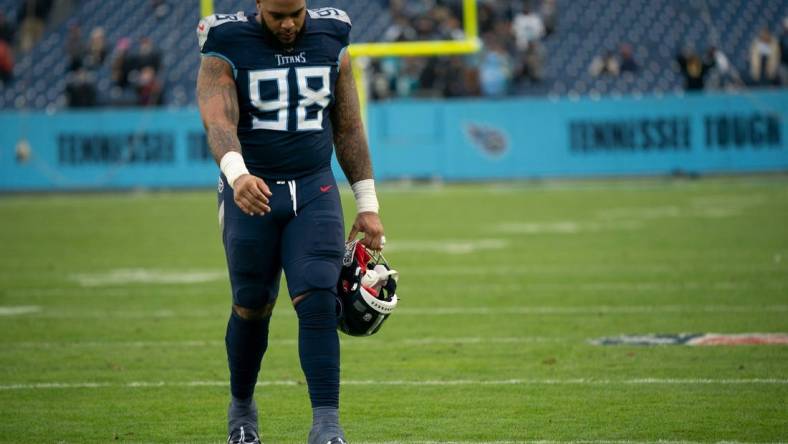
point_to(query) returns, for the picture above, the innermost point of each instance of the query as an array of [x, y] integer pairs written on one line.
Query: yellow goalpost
[[469, 45]]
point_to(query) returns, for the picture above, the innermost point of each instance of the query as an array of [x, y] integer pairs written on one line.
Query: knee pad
[[318, 309]]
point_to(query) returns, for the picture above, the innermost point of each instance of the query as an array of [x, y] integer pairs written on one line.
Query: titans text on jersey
[[284, 94]]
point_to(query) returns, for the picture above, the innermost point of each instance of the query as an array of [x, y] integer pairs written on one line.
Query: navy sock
[[318, 347], [246, 342]]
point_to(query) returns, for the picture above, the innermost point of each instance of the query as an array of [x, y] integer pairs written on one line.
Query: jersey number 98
[[317, 98]]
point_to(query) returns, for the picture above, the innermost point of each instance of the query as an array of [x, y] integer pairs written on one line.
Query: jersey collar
[[271, 39]]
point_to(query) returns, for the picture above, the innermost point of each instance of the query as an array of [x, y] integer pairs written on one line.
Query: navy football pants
[[304, 236]]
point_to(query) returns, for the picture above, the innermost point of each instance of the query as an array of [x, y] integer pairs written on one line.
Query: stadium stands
[[656, 30]]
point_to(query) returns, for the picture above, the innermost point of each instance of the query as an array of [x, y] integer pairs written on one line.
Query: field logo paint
[[696, 339]]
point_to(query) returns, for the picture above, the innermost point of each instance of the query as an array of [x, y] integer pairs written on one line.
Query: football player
[[276, 95]]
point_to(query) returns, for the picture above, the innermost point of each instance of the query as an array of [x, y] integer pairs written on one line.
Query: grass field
[[113, 309]]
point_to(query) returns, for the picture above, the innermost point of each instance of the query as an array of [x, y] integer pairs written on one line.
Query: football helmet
[[366, 293]]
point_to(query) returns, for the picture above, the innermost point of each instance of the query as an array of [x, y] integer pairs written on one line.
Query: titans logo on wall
[[493, 142]]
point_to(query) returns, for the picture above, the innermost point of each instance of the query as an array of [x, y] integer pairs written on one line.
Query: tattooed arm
[[352, 150], [218, 102], [218, 106], [349, 137]]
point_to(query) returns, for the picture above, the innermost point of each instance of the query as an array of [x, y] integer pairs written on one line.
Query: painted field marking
[[587, 269], [446, 246], [600, 309], [19, 310], [346, 342], [442, 311], [456, 286], [414, 383], [579, 441], [565, 227], [125, 276]]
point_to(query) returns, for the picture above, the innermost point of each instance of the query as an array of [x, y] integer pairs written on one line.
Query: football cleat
[[366, 293], [337, 441], [243, 435]]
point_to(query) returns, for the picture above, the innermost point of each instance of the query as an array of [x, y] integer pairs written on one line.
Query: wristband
[[366, 199], [233, 167]]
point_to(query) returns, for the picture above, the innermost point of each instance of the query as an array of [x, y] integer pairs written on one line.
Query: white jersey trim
[[212, 21], [330, 13]]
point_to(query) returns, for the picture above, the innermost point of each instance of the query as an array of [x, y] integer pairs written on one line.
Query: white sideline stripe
[[19, 310], [345, 342], [458, 382], [444, 311]]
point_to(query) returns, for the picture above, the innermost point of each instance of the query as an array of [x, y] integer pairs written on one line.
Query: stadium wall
[[451, 140]]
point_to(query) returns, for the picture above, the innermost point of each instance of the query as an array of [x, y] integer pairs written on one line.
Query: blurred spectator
[[764, 59], [6, 63], [380, 80], [6, 29], [149, 88], [606, 64], [495, 69], [549, 13], [407, 80], [75, 47], [783, 71], [487, 17], [32, 21], [81, 89], [531, 63], [627, 56], [121, 65], [693, 69], [426, 29], [160, 8], [721, 74], [527, 27], [147, 56], [457, 78], [399, 30], [451, 28], [96, 51], [784, 42]]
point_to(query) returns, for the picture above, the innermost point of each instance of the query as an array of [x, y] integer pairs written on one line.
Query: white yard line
[[19, 310], [414, 383], [125, 276], [600, 309], [535, 441], [442, 311], [348, 342], [579, 441]]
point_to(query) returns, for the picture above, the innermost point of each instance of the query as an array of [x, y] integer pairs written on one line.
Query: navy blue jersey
[[285, 95]]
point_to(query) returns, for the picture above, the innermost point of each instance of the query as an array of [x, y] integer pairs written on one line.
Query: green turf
[[502, 287]]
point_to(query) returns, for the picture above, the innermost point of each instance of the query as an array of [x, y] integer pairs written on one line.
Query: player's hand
[[251, 194], [368, 223]]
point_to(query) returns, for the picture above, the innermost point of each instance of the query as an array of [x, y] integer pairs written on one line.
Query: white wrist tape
[[233, 166], [366, 199]]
